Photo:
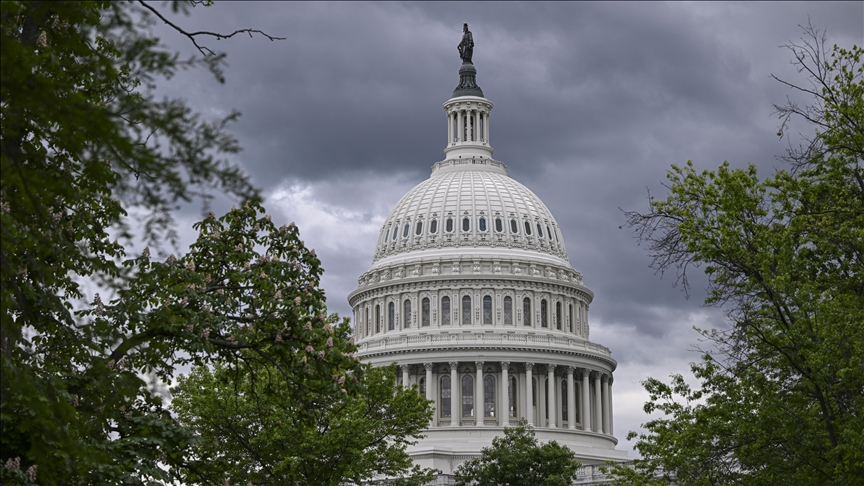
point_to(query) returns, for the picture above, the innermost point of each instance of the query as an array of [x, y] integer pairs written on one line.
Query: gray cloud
[[593, 102]]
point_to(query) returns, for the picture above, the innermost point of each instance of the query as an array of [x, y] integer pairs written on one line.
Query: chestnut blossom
[[330, 342], [321, 354], [310, 349], [297, 301], [190, 266]]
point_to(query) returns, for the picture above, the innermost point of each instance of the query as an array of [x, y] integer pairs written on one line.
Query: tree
[[518, 460], [251, 431], [780, 396], [84, 142]]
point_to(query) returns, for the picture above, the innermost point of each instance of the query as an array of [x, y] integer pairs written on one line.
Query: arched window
[[514, 228], [433, 226], [444, 402], [406, 317], [499, 225], [467, 396], [449, 225], [563, 400], [391, 316], [377, 318], [466, 310], [527, 228], [508, 310], [418, 228], [424, 310], [423, 386], [445, 311], [539, 230], [558, 315], [488, 396], [466, 224], [526, 311], [570, 318], [405, 230], [395, 231], [544, 322], [511, 393], [482, 223], [548, 232], [487, 310]]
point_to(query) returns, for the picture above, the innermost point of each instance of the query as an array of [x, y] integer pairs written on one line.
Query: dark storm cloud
[[593, 102]]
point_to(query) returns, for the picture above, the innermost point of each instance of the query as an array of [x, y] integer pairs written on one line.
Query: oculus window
[[433, 226], [499, 225], [482, 224]]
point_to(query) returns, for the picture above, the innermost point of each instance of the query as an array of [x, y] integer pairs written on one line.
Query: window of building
[[534, 392], [466, 224], [418, 228], [406, 318], [527, 228], [511, 393], [539, 230], [423, 386], [508, 310], [514, 228], [377, 318], [558, 315], [488, 396], [487, 310], [405, 230], [570, 318], [467, 396], [563, 400], [548, 232], [449, 225], [433, 226], [444, 402], [526, 311], [482, 223], [466, 310], [544, 322], [499, 225], [368, 323], [395, 231], [424, 310], [391, 316], [445, 311]]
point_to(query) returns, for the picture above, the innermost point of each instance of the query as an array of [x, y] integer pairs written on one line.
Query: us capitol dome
[[471, 293]]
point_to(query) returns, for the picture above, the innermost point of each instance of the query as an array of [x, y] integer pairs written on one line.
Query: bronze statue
[[466, 47]]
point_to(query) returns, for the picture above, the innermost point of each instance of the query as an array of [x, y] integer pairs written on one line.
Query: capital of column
[[604, 377], [505, 365], [611, 380], [405, 368], [550, 368], [596, 375], [529, 366], [586, 372], [479, 365], [453, 365], [428, 366], [570, 370]]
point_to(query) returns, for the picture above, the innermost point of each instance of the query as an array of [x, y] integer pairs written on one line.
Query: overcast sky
[[593, 102]]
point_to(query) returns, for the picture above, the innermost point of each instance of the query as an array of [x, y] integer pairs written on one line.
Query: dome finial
[[467, 73]]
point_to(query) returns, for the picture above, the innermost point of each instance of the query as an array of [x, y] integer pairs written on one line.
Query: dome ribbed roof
[[484, 207]]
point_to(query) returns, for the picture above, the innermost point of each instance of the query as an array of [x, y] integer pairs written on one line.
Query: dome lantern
[[468, 111]]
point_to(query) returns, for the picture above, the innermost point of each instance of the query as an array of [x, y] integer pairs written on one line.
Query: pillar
[[598, 404], [586, 401], [571, 400], [405, 369], [479, 398], [455, 411], [429, 393], [459, 129], [486, 127], [611, 410], [529, 406], [605, 404], [550, 390], [504, 408]]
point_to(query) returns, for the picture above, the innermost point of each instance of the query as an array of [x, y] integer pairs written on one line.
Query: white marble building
[[472, 294]]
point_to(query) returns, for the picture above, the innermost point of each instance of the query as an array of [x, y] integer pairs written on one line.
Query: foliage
[[518, 460], [780, 397], [252, 431], [84, 142]]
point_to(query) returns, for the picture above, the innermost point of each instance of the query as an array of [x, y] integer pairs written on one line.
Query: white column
[[598, 404], [486, 127], [586, 401], [529, 406], [504, 407], [479, 399], [605, 404], [550, 390], [571, 400], [611, 410], [459, 130], [429, 394], [405, 369], [455, 411]]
